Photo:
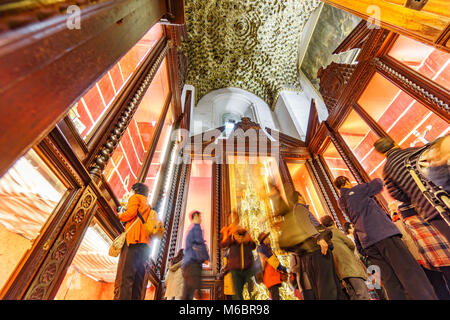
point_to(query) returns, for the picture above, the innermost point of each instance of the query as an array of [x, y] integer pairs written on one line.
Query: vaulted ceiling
[[248, 44]]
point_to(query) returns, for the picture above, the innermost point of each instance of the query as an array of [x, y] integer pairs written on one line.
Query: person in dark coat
[[401, 185], [240, 256], [195, 254], [381, 241]]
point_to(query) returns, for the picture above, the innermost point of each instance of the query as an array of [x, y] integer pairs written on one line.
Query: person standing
[[316, 267], [348, 269], [272, 268], [131, 271], [174, 278], [195, 254], [381, 241], [240, 256], [429, 247], [402, 187]]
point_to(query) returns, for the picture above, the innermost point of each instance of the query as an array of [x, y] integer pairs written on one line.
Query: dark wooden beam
[[46, 67], [313, 122]]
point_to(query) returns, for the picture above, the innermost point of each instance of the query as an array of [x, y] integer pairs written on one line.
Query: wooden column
[[431, 24]]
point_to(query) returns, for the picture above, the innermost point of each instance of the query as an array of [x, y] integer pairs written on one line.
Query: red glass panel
[[428, 61], [360, 139], [89, 110]]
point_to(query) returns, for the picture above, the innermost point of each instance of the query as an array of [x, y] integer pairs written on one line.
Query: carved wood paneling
[[333, 81], [45, 283]]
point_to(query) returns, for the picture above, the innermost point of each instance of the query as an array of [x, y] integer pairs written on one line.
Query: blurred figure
[[381, 241], [348, 269], [315, 260], [195, 254], [240, 257], [402, 187], [228, 288], [438, 157], [375, 293], [131, 269], [299, 278], [272, 268], [428, 246], [174, 278]]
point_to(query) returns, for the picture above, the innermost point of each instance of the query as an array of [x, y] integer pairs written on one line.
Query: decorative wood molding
[[165, 251], [430, 94], [124, 120], [30, 263], [217, 202], [333, 81], [51, 150], [46, 282], [416, 4], [318, 139]]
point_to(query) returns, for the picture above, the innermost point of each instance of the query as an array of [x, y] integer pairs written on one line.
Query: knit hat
[[262, 236]]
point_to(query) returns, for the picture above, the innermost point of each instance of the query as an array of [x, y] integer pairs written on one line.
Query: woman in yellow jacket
[[130, 279]]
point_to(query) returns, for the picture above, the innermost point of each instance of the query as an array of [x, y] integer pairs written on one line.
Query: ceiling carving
[[247, 44]]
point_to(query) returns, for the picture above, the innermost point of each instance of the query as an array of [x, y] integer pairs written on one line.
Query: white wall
[[209, 111]]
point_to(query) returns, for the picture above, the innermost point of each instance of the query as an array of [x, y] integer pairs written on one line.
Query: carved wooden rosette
[[436, 100], [45, 283], [333, 80], [119, 129]]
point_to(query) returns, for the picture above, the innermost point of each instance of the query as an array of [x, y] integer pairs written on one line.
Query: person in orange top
[[130, 278]]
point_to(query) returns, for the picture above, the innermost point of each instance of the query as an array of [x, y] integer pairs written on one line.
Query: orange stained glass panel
[[127, 159], [406, 120], [360, 139], [336, 164]]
